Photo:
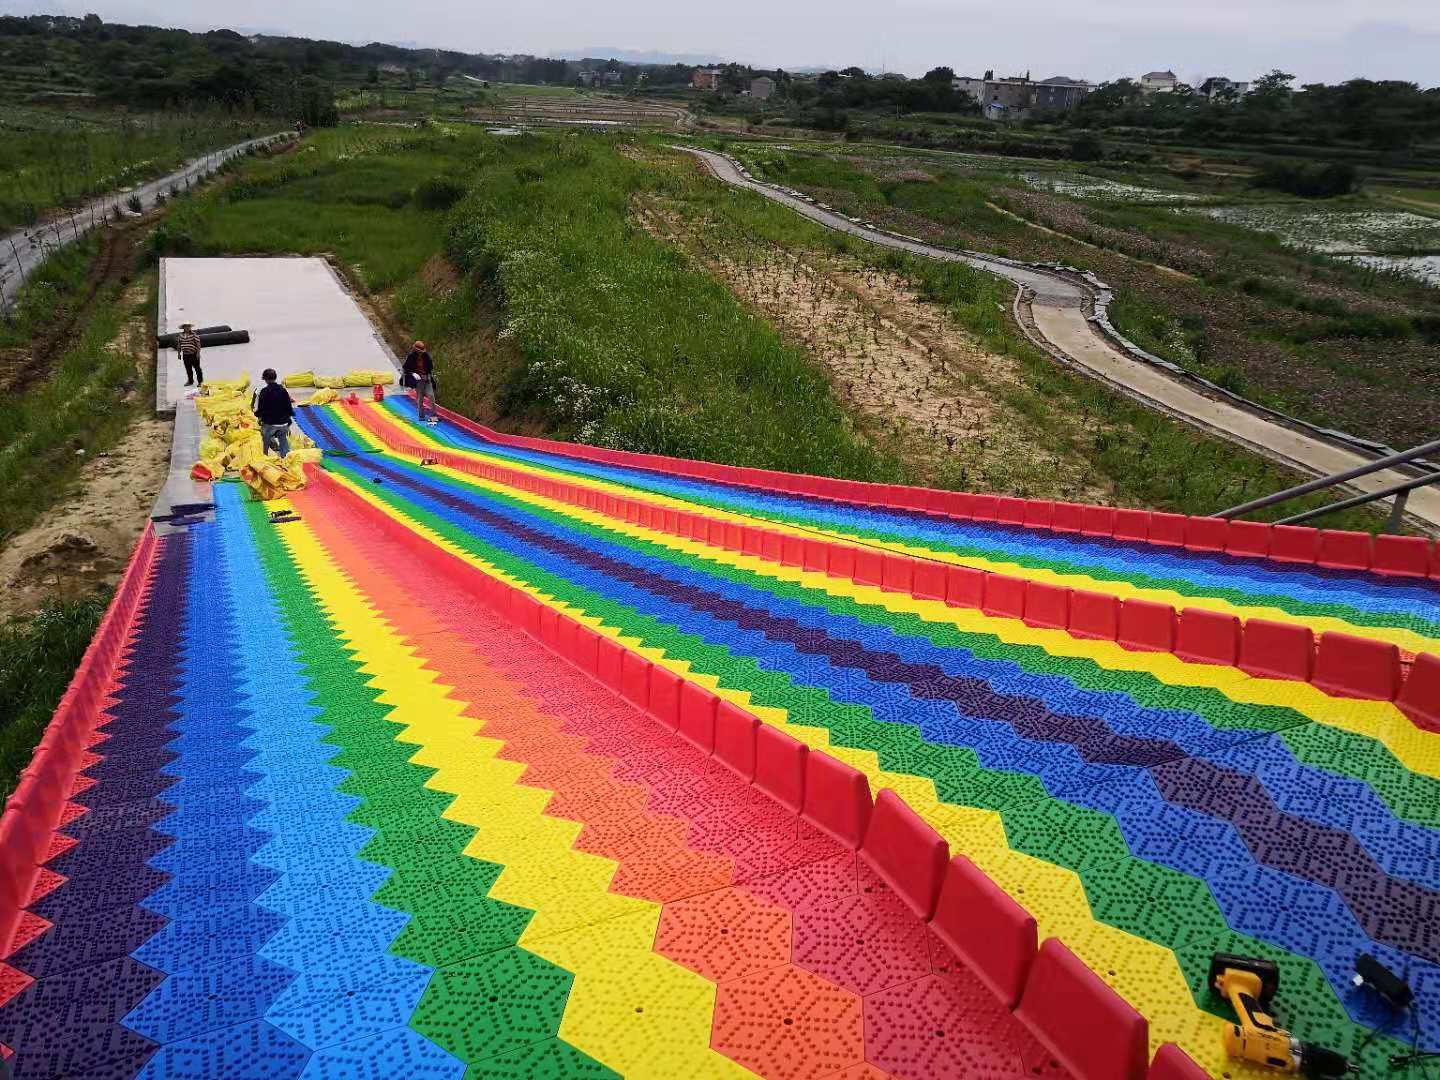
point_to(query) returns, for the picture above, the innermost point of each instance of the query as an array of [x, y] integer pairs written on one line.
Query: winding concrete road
[[23, 250], [1058, 307]]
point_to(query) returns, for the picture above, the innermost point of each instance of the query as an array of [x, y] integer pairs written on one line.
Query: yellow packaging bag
[[305, 455], [381, 377], [245, 452], [359, 377], [299, 378], [321, 397], [330, 382]]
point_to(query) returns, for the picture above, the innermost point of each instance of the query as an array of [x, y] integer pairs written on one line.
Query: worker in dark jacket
[[274, 410], [420, 374], [187, 344]]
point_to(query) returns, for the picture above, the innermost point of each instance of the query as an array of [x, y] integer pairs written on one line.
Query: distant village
[[1015, 96]]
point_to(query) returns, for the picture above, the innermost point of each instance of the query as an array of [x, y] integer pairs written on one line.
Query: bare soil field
[[917, 384], [83, 542]]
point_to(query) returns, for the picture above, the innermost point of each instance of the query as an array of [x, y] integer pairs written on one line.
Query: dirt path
[[25, 249], [83, 542]]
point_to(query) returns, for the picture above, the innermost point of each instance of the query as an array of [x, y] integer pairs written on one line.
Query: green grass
[[348, 192], [80, 406], [38, 658], [624, 344], [51, 159], [1426, 195], [616, 340]]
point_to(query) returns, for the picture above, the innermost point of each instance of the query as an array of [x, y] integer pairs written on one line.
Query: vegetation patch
[[38, 658], [1330, 341]]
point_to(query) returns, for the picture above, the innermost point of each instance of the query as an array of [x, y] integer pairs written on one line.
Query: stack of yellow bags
[[233, 443], [367, 377]]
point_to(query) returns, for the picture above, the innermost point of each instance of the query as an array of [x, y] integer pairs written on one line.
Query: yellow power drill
[[1249, 984]]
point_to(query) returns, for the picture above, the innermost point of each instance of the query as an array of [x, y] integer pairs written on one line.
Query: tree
[[944, 75], [1087, 146], [1271, 92]]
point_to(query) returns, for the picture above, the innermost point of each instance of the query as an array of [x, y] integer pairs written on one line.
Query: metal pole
[[1397, 512], [1330, 481], [1402, 489]]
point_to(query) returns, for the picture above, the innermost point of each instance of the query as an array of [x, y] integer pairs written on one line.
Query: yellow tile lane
[[605, 939], [1406, 639], [1147, 974], [1417, 750]]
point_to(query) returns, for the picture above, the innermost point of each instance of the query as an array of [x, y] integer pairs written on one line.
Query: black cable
[[1416, 1055]]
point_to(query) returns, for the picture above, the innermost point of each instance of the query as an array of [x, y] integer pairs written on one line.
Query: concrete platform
[[299, 313], [181, 494]]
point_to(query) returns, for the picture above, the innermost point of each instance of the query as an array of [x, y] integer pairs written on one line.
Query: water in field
[[1424, 267], [1332, 231], [1082, 186]]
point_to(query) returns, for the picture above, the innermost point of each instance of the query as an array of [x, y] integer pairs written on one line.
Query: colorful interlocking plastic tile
[[415, 784]]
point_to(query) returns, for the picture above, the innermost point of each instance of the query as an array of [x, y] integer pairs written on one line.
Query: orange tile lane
[[815, 963]]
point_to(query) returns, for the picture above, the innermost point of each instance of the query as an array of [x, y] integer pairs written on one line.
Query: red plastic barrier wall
[[1285, 543], [1094, 1032], [1420, 697], [1357, 667], [908, 854], [34, 809], [837, 799], [984, 925]]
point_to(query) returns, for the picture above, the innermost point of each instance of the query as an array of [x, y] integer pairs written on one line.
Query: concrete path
[[1058, 306], [23, 250], [300, 317], [299, 314]]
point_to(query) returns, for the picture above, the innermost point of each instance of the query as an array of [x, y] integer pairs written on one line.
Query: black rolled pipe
[[167, 341], [229, 337]]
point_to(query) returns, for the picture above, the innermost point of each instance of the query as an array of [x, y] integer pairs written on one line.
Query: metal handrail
[[1402, 489]]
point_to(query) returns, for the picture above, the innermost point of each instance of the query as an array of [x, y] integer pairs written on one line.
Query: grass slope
[[38, 657]]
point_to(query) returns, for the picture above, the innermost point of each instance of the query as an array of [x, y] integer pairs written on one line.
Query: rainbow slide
[[517, 759]]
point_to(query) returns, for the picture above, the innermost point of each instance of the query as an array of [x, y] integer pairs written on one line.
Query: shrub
[[438, 193], [1310, 181], [1087, 146]]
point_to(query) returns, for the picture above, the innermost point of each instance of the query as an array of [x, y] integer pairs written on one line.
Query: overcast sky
[[1318, 40]]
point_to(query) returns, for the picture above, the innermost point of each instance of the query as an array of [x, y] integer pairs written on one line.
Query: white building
[[1158, 82], [969, 85], [1218, 86]]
